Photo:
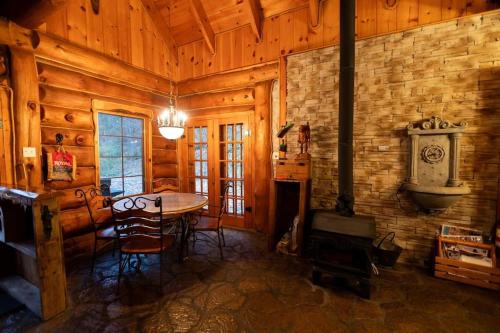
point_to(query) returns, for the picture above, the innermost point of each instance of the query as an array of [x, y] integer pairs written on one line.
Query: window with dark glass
[[121, 154]]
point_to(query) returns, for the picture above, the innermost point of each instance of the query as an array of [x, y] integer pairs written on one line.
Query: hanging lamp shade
[[171, 123]]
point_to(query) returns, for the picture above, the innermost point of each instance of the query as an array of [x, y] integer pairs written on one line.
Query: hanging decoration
[[391, 4], [61, 165], [171, 122], [95, 6]]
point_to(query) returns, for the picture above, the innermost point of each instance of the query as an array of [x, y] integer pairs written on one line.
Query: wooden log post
[[54, 49], [14, 35], [6, 95], [74, 80], [283, 90], [26, 117], [33, 16], [218, 99], [230, 80], [262, 154]]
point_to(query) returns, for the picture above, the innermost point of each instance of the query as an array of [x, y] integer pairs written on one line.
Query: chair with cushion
[[212, 223], [140, 230], [100, 216]]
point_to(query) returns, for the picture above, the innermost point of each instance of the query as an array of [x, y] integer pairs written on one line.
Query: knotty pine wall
[[123, 30], [291, 32], [66, 107]]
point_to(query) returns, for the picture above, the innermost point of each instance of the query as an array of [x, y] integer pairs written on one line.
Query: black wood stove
[[341, 246], [341, 240]]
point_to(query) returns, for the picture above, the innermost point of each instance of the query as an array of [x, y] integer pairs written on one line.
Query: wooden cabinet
[[288, 198], [31, 250], [292, 169]]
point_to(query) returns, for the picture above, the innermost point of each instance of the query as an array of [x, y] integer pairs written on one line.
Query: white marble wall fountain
[[433, 182]]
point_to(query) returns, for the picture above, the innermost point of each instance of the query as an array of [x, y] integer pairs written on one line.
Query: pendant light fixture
[[171, 122]]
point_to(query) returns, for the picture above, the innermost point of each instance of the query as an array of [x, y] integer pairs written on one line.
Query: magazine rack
[[469, 273]]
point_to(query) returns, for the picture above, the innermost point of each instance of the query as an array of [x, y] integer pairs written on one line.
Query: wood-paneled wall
[[123, 29], [66, 107], [291, 32]]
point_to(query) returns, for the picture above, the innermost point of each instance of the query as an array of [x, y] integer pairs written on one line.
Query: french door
[[218, 153]]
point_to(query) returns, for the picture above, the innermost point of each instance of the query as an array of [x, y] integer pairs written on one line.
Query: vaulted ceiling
[[188, 20]]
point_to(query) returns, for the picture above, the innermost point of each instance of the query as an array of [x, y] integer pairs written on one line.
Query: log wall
[[123, 29], [66, 97], [291, 32]]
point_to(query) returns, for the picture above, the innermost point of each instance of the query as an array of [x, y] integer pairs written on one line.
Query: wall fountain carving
[[433, 181]]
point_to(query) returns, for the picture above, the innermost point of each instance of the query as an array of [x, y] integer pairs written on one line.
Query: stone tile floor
[[253, 290]]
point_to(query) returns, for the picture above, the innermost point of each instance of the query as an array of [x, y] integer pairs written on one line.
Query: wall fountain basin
[[435, 198]]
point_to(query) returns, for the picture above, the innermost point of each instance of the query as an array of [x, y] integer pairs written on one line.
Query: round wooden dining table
[[174, 205]]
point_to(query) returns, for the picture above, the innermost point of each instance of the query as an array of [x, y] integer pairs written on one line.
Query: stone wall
[[451, 70]]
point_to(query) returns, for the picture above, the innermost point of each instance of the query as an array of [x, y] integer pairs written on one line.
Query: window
[[121, 154]]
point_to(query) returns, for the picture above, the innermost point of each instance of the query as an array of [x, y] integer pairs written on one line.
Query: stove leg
[[364, 288], [316, 276]]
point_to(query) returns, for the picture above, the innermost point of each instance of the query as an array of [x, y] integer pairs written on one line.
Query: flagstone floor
[[253, 290]]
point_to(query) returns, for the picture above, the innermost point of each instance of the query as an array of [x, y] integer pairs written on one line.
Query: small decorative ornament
[[433, 154], [95, 6], [304, 141], [282, 151], [391, 4]]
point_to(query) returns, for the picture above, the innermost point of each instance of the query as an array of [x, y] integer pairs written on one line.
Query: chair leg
[[222, 233], [94, 255], [120, 271], [194, 236], [220, 245], [161, 271]]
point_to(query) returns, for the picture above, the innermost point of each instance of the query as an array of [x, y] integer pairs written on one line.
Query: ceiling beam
[[201, 18], [314, 12], [255, 15], [161, 26], [34, 16]]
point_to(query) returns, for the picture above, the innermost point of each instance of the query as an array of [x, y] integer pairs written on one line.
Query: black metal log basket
[[386, 252]]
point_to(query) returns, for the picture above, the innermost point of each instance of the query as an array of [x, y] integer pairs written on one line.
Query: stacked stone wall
[[451, 70]]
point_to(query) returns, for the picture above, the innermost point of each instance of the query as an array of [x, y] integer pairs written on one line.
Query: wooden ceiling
[[185, 18]]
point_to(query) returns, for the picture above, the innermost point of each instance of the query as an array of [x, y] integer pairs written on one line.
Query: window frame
[[124, 110]]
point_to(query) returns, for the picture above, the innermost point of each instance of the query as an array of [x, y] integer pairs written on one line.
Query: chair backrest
[[96, 202], [223, 204], [165, 185], [137, 218], [106, 186]]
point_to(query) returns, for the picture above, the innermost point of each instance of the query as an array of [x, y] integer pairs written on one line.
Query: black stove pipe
[[345, 199]]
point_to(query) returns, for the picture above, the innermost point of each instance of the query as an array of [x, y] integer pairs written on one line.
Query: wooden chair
[[208, 223], [139, 230], [100, 216]]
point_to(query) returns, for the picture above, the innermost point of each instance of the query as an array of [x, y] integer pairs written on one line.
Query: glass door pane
[[232, 166], [198, 160]]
